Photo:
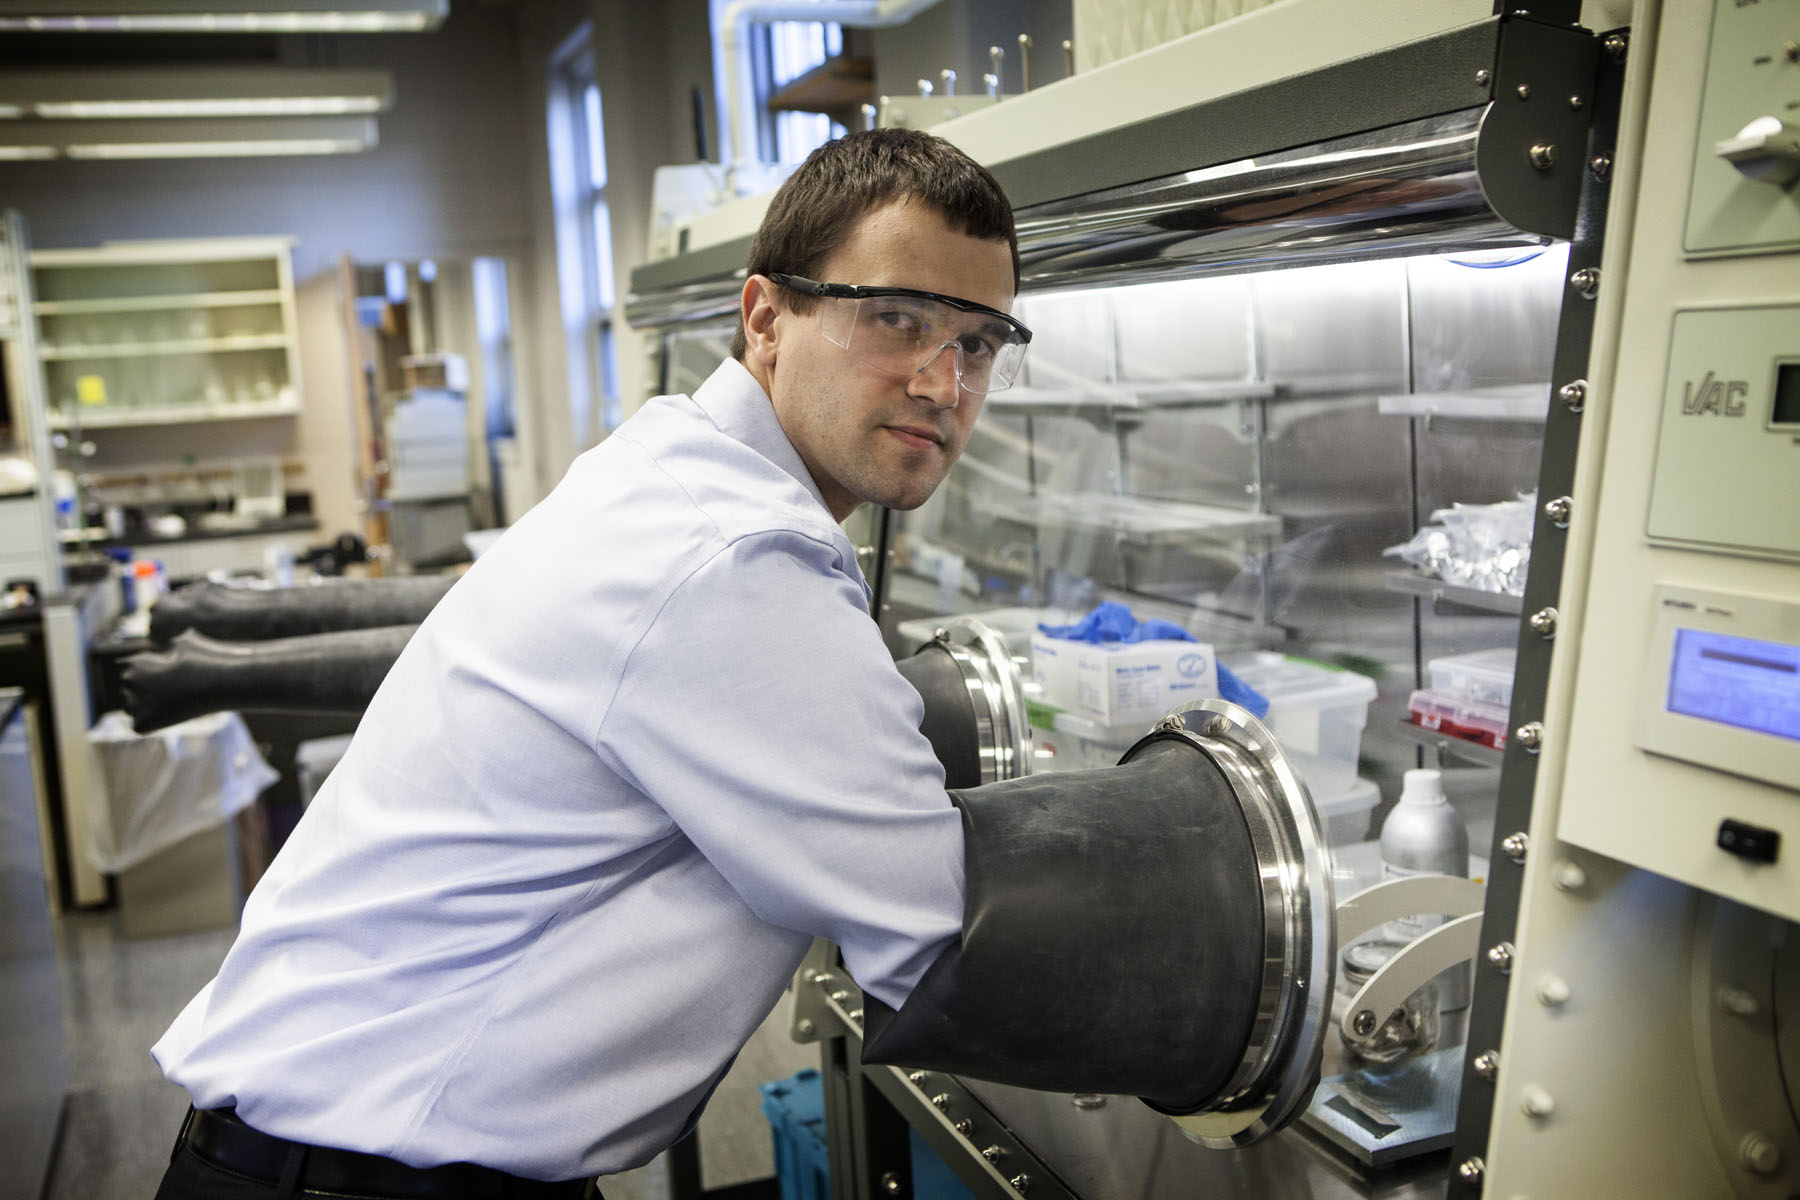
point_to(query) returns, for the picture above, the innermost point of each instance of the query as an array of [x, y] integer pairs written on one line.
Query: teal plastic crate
[[795, 1107]]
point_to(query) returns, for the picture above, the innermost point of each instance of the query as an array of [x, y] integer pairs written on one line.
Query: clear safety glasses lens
[[904, 335]]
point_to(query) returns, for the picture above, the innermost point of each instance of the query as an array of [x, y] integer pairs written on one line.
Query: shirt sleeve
[[763, 713]]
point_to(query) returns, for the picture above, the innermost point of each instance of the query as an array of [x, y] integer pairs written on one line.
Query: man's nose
[[940, 378]]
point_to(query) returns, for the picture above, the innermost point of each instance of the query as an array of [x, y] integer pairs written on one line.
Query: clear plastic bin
[[1074, 744], [1345, 816], [1485, 676], [1471, 720], [1316, 712]]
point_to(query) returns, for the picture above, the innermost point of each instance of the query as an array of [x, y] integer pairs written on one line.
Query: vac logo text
[[1720, 397]]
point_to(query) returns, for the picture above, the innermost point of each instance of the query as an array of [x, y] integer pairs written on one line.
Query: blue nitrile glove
[[1241, 694], [1113, 622]]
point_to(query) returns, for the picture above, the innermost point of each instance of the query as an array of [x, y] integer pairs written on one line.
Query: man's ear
[[760, 312]]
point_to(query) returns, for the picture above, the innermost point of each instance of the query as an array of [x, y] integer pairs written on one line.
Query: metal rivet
[[941, 1100], [1573, 394], [940, 635], [1089, 1100], [1543, 156], [1470, 1170], [1553, 991], [890, 1183], [1171, 724], [1759, 1154], [804, 1027], [1481, 77], [1536, 1102], [855, 1015], [1515, 845], [1575, 102], [1543, 622], [965, 1127], [1524, 91], [1615, 46], [1559, 511], [1020, 1183], [1570, 877], [811, 975], [840, 995], [1365, 1023], [1500, 957], [1792, 50], [1486, 1065], [993, 1153], [1530, 736], [1600, 165], [916, 1077], [1738, 1002], [1586, 282]]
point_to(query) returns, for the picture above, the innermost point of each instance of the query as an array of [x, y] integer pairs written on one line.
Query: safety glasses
[[902, 331]]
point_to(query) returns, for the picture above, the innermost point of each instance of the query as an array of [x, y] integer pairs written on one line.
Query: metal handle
[[1416, 965]]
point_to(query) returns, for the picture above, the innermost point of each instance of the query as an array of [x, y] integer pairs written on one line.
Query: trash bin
[[163, 819]]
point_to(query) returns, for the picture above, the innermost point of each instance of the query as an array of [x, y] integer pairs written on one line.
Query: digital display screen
[[1737, 681], [1787, 394]]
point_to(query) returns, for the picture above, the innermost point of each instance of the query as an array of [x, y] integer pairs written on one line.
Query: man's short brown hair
[[814, 212]]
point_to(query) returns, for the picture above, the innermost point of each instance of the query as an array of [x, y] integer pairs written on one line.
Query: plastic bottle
[[1424, 835]]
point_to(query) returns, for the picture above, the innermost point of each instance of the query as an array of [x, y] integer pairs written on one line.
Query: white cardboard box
[[1116, 683]]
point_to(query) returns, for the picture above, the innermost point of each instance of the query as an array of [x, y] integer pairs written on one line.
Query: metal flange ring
[[1280, 1068]]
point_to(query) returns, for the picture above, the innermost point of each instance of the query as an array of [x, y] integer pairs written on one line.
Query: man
[[637, 759]]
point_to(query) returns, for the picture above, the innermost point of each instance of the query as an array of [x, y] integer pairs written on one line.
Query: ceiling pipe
[[731, 31]]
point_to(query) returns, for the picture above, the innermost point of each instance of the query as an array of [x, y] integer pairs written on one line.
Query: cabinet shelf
[[1125, 400], [175, 414], [1521, 403], [258, 341], [165, 303], [1145, 522], [1437, 590], [1455, 747]]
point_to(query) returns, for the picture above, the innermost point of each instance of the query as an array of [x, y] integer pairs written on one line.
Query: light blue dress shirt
[[636, 759]]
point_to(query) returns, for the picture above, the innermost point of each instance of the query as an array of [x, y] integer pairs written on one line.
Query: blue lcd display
[[1736, 681]]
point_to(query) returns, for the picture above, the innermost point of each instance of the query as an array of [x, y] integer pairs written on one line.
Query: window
[[584, 238], [791, 49]]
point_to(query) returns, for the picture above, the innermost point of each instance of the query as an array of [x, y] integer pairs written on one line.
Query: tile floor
[[119, 994]]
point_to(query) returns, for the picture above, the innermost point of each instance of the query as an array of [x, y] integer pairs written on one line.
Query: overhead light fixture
[[193, 138], [221, 16], [192, 92]]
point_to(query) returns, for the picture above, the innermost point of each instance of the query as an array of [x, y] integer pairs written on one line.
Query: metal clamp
[[998, 691], [1281, 1064]]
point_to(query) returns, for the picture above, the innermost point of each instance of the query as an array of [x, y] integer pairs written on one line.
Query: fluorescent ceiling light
[[221, 16], [221, 138], [21, 153], [192, 92]]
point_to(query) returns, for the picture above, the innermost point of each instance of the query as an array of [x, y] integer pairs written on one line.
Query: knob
[[1767, 149]]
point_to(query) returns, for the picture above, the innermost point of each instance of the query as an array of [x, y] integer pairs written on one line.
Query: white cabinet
[[167, 332]]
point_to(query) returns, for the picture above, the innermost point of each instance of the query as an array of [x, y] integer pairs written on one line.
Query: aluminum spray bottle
[[1424, 835]]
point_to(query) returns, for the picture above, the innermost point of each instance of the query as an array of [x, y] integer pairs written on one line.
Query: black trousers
[[194, 1176], [191, 1177]]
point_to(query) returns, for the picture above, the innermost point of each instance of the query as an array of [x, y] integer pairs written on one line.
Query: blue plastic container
[[795, 1107]]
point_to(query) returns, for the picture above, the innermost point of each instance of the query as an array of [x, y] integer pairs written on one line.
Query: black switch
[[1749, 841]]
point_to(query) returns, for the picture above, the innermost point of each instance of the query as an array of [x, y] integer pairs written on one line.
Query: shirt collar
[[737, 404]]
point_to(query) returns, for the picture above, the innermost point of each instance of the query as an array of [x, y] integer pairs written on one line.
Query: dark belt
[[219, 1137]]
